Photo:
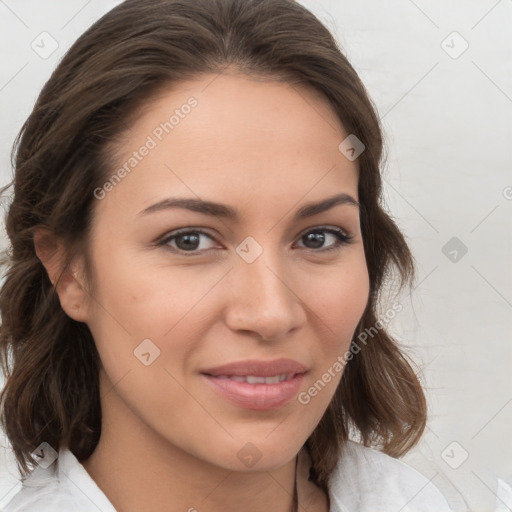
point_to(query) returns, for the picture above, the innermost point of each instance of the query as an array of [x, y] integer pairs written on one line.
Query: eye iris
[[317, 239], [191, 241]]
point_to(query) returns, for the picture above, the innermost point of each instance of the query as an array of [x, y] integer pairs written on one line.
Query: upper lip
[[257, 368]]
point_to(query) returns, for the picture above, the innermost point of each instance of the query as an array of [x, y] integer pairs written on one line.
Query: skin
[[168, 441]]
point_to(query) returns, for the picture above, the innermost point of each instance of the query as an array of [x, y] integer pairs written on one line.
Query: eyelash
[[342, 239]]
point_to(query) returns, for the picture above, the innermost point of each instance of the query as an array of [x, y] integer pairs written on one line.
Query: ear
[[68, 280]]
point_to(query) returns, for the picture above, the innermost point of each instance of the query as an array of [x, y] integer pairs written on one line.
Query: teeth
[[255, 380], [252, 379]]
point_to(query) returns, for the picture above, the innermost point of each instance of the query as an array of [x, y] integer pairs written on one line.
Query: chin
[[256, 453]]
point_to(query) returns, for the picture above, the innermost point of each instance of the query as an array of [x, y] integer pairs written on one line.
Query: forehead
[[237, 137]]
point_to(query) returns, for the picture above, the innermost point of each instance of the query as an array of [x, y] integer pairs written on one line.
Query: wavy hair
[[62, 153]]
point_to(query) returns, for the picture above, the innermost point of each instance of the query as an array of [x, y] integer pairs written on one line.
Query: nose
[[262, 299]]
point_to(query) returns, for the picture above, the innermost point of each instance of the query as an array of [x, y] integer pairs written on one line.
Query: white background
[[448, 128]]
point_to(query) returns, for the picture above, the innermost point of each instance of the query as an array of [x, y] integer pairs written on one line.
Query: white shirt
[[364, 480]]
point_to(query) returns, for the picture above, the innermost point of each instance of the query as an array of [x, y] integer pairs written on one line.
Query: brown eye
[[315, 239], [187, 241]]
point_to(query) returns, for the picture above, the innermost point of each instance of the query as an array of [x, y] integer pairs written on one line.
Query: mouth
[[254, 379], [257, 385]]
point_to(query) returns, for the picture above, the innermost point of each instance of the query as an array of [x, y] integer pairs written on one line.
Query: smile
[[256, 392], [252, 379]]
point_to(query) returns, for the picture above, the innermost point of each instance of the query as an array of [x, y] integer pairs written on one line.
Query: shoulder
[[64, 485], [41, 500], [367, 480]]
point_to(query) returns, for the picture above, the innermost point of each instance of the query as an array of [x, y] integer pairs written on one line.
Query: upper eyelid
[[183, 231]]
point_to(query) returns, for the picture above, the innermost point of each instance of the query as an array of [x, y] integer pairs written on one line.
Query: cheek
[[143, 296], [351, 299], [135, 301], [341, 297], [338, 304]]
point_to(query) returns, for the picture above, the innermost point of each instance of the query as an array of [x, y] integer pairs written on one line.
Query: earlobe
[[72, 295], [64, 277]]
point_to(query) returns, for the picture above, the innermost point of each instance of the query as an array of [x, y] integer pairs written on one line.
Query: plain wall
[[446, 111]]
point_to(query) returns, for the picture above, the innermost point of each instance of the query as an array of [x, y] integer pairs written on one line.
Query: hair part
[[63, 152]]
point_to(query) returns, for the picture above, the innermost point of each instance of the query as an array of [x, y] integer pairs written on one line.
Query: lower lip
[[258, 397]]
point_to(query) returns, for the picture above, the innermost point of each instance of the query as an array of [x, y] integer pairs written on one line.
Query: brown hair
[[60, 157]]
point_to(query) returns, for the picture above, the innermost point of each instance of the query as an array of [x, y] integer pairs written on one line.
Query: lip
[[256, 396], [257, 367]]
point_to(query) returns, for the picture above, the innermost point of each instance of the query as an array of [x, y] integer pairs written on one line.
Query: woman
[[197, 253]]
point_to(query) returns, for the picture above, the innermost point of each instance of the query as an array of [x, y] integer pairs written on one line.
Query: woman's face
[[262, 281]]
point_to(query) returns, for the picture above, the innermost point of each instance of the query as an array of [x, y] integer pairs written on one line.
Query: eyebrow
[[228, 212]]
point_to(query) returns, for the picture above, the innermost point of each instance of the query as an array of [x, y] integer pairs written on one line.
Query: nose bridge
[[261, 298]]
